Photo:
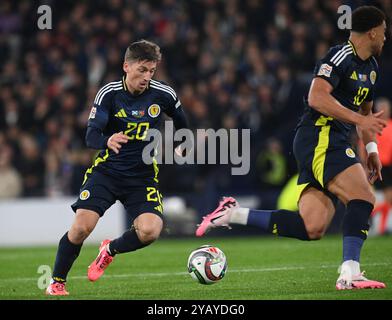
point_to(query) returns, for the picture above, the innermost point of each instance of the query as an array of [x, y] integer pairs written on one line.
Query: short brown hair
[[143, 50]]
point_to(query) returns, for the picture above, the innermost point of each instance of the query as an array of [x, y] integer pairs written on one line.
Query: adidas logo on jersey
[[121, 114], [354, 76]]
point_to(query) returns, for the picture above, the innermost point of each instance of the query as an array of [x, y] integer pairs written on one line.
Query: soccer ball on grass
[[207, 264]]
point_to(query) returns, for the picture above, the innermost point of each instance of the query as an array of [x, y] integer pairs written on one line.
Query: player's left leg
[[145, 206], [353, 189], [146, 228]]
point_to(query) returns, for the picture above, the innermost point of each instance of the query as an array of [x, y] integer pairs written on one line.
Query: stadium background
[[234, 64]]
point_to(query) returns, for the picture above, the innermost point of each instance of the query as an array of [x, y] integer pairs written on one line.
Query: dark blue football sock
[[128, 242], [288, 224], [352, 248], [279, 222], [67, 253], [259, 218], [355, 228]]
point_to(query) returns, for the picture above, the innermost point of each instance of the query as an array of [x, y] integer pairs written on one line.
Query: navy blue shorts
[[100, 191], [321, 153]]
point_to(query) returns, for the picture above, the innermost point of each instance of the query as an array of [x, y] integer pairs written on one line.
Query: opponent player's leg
[[69, 249], [310, 223], [353, 189]]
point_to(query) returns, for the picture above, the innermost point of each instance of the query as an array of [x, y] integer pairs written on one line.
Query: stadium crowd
[[234, 64]]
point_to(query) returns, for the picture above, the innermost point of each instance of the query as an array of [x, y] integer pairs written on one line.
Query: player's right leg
[[315, 214], [316, 209], [69, 249], [96, 196]]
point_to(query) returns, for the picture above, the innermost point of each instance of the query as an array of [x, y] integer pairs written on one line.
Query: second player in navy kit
[[340, 97], [122, 113], [322, 144]]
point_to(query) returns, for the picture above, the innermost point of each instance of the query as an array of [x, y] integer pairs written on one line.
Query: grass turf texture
[[261, 268]]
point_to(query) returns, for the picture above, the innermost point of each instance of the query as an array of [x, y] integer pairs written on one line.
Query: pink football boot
[[218, 218], [98, 266]]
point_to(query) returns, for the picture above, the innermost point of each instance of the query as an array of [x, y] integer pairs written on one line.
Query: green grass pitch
[[259, 268]]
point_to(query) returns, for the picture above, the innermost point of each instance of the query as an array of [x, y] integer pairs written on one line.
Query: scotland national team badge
[[373, 76], [84, 195], [350, 153], [154, 110]]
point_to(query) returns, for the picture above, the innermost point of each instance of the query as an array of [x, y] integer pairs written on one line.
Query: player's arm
[[180, 122], [98, 119], [321, 99], [179, 119], [173, 108], [365, 136], [95, 139], [373, 163]]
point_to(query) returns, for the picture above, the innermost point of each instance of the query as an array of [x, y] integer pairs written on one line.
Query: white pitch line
[[166, 274]]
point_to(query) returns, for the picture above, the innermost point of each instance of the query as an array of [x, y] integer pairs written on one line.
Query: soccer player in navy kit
[[340, 96], [119, 120]]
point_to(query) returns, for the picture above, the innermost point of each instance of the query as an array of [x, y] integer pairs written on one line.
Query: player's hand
[[374, 167], [372, 123], [115, 141]]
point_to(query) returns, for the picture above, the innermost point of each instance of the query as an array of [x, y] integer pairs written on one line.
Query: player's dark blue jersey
[[117, 109], [352, 80]]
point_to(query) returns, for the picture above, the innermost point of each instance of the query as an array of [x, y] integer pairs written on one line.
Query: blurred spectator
[[271, 169], [11, 181], [31, 166], [271, 165]]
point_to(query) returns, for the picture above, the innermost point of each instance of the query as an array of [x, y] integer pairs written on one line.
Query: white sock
[[353, 265], [239, 216]]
